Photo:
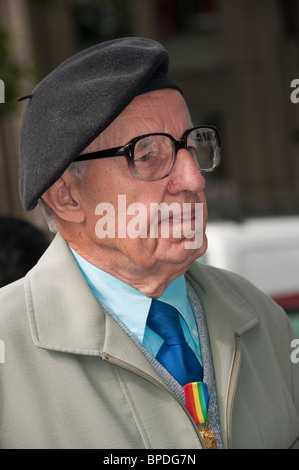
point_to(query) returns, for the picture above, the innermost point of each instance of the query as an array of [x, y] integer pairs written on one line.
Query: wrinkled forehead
[[156, 111]]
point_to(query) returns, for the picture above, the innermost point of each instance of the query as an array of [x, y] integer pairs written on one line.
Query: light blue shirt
[[132, 307]]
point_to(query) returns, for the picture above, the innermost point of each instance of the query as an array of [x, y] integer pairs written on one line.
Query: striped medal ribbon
[[197, 402]]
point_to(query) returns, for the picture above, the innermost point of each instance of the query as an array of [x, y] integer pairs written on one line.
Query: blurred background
[[235, 60]]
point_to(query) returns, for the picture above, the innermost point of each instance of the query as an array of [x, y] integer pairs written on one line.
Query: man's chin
[[181, 250]]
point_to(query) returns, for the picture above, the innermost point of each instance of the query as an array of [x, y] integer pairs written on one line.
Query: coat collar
[[220, 292], [63, 314]]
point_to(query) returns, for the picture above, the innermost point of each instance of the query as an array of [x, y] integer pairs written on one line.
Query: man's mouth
[[179, 224]]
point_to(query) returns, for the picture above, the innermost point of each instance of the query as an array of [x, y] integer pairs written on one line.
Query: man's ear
[[64, 200]]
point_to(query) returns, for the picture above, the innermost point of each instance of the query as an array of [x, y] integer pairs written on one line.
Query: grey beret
[[70, 107]]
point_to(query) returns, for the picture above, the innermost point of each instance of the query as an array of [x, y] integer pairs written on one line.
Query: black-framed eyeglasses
[[151, 157]]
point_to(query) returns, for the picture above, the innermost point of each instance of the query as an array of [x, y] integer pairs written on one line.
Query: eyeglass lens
[[154, 155], [204, 146]]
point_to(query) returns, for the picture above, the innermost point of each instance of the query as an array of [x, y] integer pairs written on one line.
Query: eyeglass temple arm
[[113, 152]]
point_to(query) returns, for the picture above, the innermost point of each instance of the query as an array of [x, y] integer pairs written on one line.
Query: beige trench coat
[[72, 378]]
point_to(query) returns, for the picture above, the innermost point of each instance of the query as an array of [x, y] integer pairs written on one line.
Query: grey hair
[[78, 169]]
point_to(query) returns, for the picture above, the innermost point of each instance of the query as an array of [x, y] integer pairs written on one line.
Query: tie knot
[[164, 320]]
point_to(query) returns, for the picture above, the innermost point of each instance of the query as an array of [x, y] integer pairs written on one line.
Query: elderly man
[[117, 338]]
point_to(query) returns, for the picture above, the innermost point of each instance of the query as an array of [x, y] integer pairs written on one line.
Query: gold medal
[[208, 436]]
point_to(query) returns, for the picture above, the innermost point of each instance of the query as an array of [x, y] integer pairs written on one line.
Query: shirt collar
[[129, 304]]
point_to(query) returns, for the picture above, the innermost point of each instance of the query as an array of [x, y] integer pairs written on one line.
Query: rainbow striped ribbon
[[197, 401]]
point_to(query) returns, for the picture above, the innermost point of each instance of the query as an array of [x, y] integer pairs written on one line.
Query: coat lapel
[[63, 314], [120, 349]]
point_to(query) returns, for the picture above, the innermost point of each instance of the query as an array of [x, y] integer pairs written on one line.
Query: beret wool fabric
[[71, 106]]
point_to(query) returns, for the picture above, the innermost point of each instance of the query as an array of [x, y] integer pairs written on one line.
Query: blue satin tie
[[175, 354]]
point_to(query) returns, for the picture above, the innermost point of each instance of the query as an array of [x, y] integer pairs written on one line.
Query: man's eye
[[147, 158]]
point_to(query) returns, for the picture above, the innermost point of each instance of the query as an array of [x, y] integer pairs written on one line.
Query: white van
[[265, 251]]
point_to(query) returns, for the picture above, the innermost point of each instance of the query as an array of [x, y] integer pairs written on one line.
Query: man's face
[[106, 179]]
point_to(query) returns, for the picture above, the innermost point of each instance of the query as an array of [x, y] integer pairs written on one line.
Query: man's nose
[[185, 175]]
